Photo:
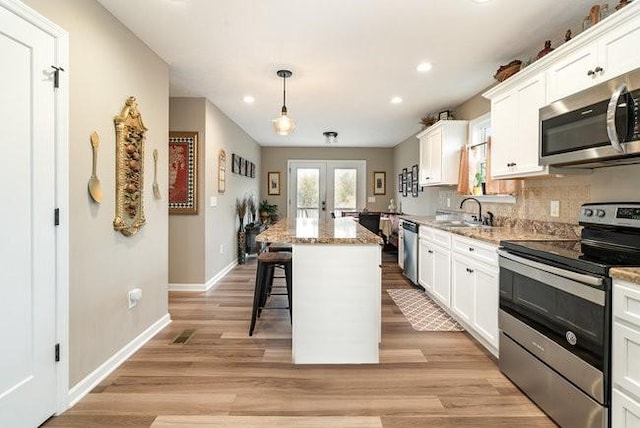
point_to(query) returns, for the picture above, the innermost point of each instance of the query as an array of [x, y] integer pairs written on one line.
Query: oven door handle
[[586, 279]]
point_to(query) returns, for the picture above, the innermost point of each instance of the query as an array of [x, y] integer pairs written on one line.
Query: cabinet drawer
[[626, 354], [435, 236], [626, 302], [625, 412], [475, 249]]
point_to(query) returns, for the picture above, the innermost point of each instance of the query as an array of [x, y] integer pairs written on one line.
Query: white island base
[[336, 303]]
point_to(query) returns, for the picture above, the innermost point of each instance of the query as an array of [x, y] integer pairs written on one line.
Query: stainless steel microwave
[[593, 128]]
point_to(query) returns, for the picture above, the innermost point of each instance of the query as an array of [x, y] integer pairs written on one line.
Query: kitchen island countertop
[[343, 230]]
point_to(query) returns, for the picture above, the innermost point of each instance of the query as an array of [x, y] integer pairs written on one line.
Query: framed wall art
[[407, 184], [400, 179], [183, 172], [222, 171], [379, 183], [273, 182]]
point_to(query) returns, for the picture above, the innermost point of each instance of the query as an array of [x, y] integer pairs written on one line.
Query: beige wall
[[378, 159], [186, 232], [195, 240], [107, 65]]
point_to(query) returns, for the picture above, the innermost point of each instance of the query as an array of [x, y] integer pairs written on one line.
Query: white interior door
[[319, 188], [28, 245]]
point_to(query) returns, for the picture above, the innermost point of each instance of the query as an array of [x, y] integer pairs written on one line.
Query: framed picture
[[273, 181], [234, 163], [253, 170], [183, 173], [444, 115], [414, 187], [379, 183], [407, 184], [400, 183], [247, 167], [241, 166]]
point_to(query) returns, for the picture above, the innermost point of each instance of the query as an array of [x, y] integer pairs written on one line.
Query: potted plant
[[268, 212], [478, 189]]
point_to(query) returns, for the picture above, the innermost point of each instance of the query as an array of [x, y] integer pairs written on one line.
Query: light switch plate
[[213, 201]]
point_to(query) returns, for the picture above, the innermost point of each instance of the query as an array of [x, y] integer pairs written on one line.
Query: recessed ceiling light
[[248, 99], [396, 100], [424, 66]]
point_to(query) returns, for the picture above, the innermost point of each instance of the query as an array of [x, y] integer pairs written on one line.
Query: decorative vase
[[242, 247]]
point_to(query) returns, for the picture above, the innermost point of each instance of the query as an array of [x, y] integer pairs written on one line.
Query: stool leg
[[265, 281], [257, 297], [289, 279]]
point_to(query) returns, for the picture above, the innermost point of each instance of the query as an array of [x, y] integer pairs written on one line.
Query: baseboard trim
[[85, 386], [208, 285]]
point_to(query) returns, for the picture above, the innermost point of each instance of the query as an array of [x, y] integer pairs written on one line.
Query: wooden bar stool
[[267, 262]]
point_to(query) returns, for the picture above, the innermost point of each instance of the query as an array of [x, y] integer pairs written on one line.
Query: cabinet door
[[530, 97], [441, 279], [626, 354], [424, 162], [618, 50], [434, 140], [425, 265], [463, 287], [570, 74], [503, 124], [486, 303], [625, 412]]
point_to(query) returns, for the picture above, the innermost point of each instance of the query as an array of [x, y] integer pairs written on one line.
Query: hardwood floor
[[221, 377]]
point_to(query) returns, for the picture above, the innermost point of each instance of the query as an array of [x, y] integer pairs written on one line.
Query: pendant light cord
[[284, 95]]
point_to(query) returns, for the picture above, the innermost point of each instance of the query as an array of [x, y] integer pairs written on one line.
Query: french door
[[319, 188]]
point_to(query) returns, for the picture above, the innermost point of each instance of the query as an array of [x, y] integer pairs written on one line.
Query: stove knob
[[588, 212], [600, 213]]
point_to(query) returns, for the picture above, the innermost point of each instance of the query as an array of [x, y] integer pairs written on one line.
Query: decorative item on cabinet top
[[508, 70], [430, 119], [242, 166], [130, 138]]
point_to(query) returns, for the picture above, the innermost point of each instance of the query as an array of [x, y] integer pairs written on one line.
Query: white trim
[[85, 386], [62, 188], [208, 285]]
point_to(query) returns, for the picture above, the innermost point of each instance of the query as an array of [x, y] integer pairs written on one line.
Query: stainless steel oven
[[555, 313]]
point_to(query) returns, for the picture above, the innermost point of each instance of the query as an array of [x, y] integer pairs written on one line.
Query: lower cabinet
[[625, 404], [425, 264], [475, 297], [442, 274]]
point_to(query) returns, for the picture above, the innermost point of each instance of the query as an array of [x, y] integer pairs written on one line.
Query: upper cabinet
[[614, 53], [440, 152], [514, 120], [605, 51]]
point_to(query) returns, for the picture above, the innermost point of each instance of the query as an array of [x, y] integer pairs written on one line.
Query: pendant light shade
[[284, 125]]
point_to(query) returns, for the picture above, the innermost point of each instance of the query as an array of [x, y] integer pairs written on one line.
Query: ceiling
[[348, 57]]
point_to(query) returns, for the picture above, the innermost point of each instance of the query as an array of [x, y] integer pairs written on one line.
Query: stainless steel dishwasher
[[410, 247]]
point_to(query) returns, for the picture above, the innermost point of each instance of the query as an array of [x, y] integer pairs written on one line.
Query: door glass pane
[[345, 185], [308, 192]]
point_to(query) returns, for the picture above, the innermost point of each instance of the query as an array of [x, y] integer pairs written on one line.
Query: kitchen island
[[336, 289]]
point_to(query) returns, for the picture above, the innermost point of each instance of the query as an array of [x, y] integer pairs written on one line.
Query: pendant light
[[284, 125]]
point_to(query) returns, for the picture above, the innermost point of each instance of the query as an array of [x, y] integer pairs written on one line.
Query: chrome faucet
[[479, 218]]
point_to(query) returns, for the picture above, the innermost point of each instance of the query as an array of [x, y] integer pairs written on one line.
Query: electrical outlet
[[448, 202], [371, 199], [221, 248], [554, 210], [134, 296]]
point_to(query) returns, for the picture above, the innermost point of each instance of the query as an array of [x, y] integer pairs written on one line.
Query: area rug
[[422, 312]]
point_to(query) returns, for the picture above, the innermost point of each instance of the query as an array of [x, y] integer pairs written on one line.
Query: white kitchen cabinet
[[440, 152], [515, 126], [475, 289], [612, 52], [434, 267], [625, 407]]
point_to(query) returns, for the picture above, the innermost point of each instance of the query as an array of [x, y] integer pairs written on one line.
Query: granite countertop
[[492, 235], [631, 274], [343, 230]]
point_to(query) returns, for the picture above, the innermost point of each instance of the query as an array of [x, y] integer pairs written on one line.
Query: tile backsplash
[[533, 200]]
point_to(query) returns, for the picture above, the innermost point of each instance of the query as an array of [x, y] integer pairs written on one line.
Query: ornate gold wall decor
[[222, 171], [130, 135]]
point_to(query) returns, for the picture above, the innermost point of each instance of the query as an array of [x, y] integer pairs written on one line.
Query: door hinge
[[56, 76], [56, 217], [57, 352]]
